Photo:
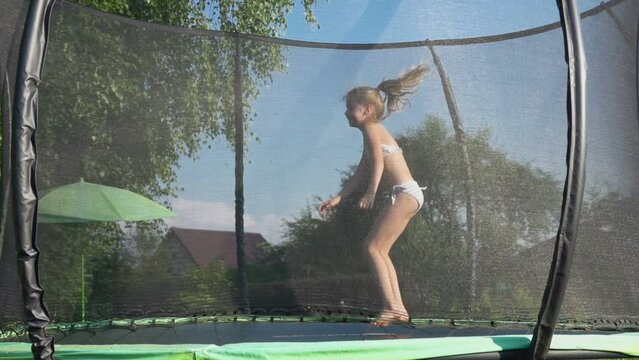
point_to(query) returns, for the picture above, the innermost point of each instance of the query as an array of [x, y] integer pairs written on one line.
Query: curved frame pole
[[574, 186], [349, 46], [23, 187], [467, 179]]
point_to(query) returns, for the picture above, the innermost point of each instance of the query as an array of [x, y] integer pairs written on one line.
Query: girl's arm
[[355, 180], [350, 186], [374, 143]]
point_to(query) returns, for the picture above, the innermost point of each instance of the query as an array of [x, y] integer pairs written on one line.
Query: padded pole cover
[[25, 196], [574, 186]]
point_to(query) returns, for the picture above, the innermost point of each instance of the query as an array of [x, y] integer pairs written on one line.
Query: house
[[200, 247]]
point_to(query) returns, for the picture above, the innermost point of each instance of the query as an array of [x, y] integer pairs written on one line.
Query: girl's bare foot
[[391, 316]]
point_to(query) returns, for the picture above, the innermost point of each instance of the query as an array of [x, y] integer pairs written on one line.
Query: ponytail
[[398, 90]]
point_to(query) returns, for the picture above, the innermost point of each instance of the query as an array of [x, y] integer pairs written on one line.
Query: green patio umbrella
[[83, 202], [88, 202]]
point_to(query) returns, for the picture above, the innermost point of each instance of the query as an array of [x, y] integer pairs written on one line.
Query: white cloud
[[215, 215], [195, 214], [270, 226]]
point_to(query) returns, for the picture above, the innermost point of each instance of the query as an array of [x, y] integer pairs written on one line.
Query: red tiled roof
[[206, 245]]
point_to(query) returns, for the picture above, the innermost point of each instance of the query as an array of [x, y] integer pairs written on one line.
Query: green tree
[[121, 104], [517, 206]]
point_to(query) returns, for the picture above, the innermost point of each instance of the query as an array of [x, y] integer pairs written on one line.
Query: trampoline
[[160, 188]]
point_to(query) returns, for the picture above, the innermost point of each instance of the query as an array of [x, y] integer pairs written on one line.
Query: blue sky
[[365, 21], [305, 140]]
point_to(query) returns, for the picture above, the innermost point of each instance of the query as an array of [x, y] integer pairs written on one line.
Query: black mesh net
[[186, 118], [12, 18], [604, 275]]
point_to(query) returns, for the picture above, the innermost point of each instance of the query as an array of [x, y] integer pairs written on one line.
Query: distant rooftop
[[205, 246]]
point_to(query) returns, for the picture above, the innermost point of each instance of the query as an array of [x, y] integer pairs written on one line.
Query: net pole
[[574, 186], [460, 137], [84, 299], [239, 176], [25, 194]]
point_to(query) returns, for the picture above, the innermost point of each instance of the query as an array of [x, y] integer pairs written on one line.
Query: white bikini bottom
[[411, 188]]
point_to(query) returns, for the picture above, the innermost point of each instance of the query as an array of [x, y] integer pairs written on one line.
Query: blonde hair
[[396, 91]]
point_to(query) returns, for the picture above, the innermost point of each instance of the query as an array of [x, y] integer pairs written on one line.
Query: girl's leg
[[392, 274], [379, 260], [387, 228]]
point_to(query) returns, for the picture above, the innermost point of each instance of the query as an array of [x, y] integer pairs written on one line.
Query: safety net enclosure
[[179, 173]]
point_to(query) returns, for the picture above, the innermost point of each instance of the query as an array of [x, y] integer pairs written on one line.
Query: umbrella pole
[[84, 300]]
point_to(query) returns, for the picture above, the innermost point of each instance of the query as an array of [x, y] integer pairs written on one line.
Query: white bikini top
[[389, 149]]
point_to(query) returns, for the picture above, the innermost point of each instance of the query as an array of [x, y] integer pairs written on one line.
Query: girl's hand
[[367, 201], [329, 204]]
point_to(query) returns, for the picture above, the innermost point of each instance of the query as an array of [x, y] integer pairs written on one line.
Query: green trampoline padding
[[627, 344]]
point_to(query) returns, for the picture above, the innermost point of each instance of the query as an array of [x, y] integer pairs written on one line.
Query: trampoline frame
[[24, 193]]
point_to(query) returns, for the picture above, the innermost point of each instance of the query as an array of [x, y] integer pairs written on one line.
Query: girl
[[365, 111]]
